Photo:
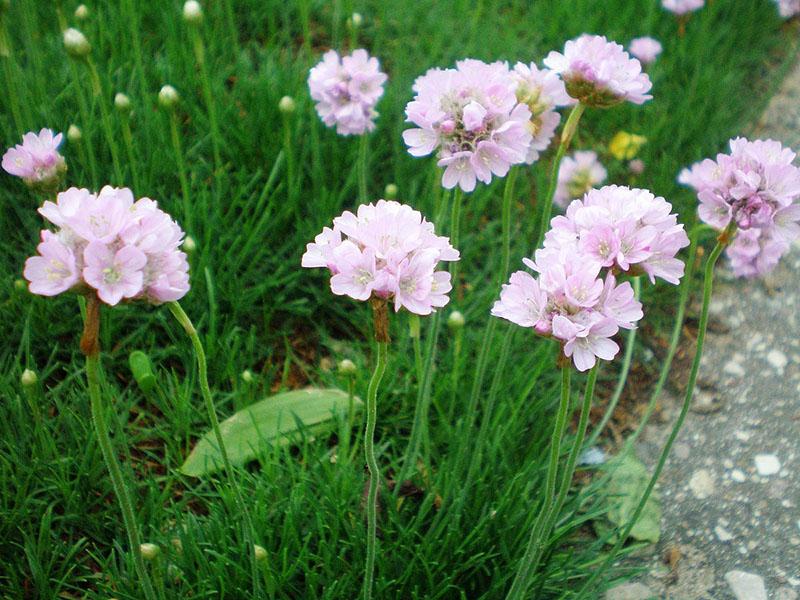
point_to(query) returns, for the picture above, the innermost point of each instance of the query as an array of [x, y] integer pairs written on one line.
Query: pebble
[[785, 593], [746, 586], [738, 475], [777, 359], [723, 534], [630, 591], [734, 368], [767, 464], [702, 484]]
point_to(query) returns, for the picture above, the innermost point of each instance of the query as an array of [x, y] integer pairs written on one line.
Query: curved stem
[[181, 164], [522, 580], [363, 147], [567, 134], [208, 95], [105, 117], [708, 282], [506, 219], [91, 348], [372, 465]]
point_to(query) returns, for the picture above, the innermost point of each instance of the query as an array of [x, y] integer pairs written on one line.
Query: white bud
[[76, 43], [390, 191], [347, 367], [122, 102], [192, 12], [74, 133], [636, 166], [260, 553], [287, 105], [189, 245], [28, 378], [247, 376], [455, 320], [168, 96], [149, 551], [81, 13], [355, 20]]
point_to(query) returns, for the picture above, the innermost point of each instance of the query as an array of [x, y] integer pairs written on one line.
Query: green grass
[[60, 529]]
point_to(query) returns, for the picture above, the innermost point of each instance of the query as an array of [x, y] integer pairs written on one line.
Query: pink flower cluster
[[387, 250], [107, 242], [577, 174], [788, 8], [757, 187], [37, 160], [576, 298], [600, 73], [681, 7], [346, 90], [472, 116], [646, 49]]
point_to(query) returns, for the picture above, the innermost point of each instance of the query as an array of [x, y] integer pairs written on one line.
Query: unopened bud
[[390, 191], [177, 545], [347, 367], [247, 376], [74, 133], [76, 43], [149, 551], [636, 166], [189, 245], [287, 105], [260, 553], [356, 20], [168, 96], [456, 320], [192, 12], [20, 285], [122, 103], [28, 378], [81, 13]]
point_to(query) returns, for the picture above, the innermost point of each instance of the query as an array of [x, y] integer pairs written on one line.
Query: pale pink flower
[[37, 160], [681, 7], [54, 269], [346, 90], [385, 250], [788, 8], [114, 274], [577, 174], [471, 117], [646, 49], [600, 73]]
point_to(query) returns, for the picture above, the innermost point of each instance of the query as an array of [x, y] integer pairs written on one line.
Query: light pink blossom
[[646, 49], [54, 269], [37, 160], [681, 7], [472, 118], [114, 274], [577, 174], [788, 8], [600, 73], [385, 250], [346, 90]]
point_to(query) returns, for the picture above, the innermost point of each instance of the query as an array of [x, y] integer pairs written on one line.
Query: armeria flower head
[[37, 160], [346, 90], [577, 174], [385, 250], [681, 7], [646, 49], [109, 244], [471, 117], [757, 187], [627, 230], [542, 91], [600, 73], [788, 8]]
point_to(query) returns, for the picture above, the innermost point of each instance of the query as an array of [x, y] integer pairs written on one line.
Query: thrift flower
[[757, 187], [681, 7], [109, 244], [472, 118], [577, 174], [646, 49], [346, 90], [386, 250], [600, 73], [37, 161]]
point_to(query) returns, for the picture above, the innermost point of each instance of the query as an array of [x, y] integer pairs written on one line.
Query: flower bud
[[456, 320], [149, 551], [122, 103], [81, 13], [636, 166], [76, 43], [177, 545], [356, 20], [260, 553], [247, 376], [192, 12], [347, 367], [189, 245], [168, 97], [28, 378], [74, 134], [287, 105], [20, 285], [390, 192]]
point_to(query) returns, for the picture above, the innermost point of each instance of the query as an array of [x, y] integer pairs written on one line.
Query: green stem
[[372, 465], [567, 134], [179, 161], [200, 58], [90, 347], [105, 116], [508, 192], [350, 416], [455, 236], [708, 282], [522, 579], [87, 123], [11, 84], [128, 138], [363, 146], [288, 150]]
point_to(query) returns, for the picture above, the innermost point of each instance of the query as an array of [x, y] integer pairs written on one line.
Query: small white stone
[[777, 359], [630, 591], [702, 484], [738, 476], [767, 464], [742, 436], [734, 368], [746, 586], [785, 593], [723, 534]]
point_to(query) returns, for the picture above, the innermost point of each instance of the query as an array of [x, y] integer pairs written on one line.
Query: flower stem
[[288, 150], [105, 117], [200, 58], [127, 136], [708, 282], [508, 192], [90, 346], [180, 163], [369, 451], [455, 235], [567, 134], [363, 147], [522, 580]]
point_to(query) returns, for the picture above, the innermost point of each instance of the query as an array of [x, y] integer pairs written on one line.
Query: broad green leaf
[[627, 481], [275, 421]]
